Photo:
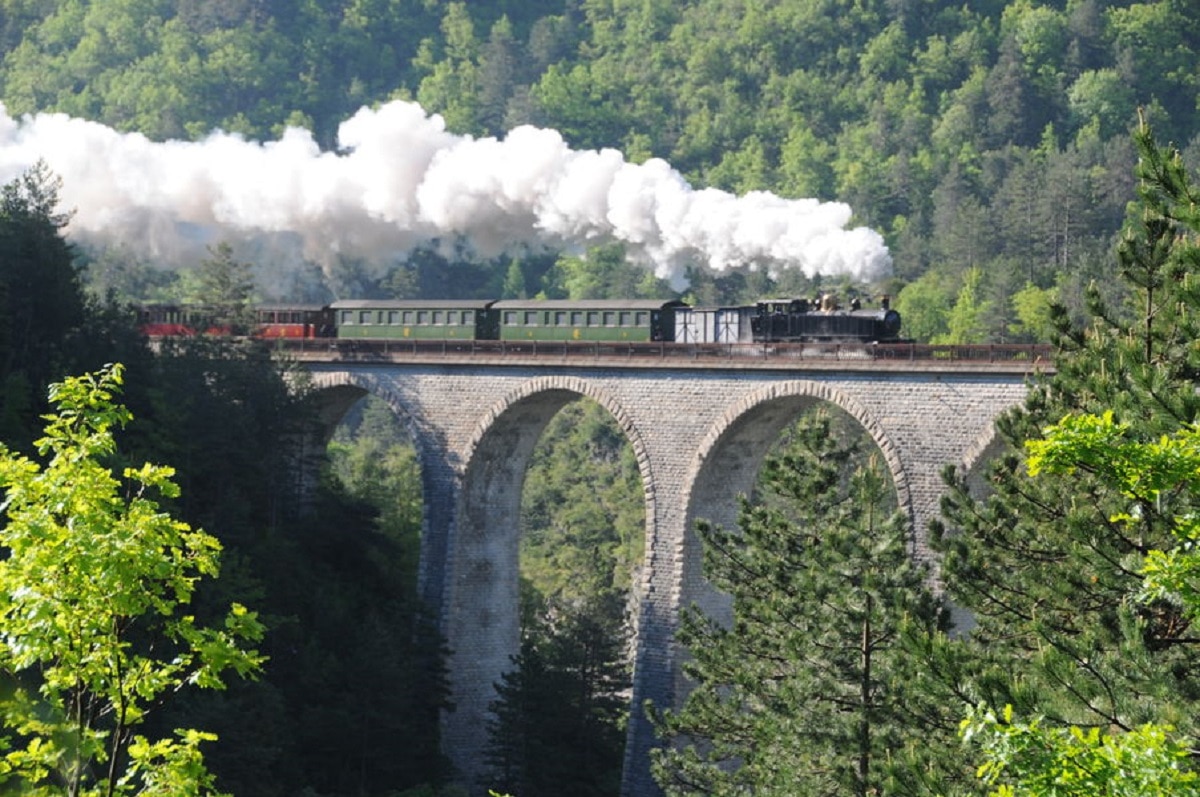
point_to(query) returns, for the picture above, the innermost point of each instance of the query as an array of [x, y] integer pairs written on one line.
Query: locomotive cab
[[775, 319]]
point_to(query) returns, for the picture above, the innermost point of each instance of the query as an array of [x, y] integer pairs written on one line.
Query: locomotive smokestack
[[401, 181]]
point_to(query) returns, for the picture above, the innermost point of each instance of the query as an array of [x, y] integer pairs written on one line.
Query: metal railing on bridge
[[1032, 356]]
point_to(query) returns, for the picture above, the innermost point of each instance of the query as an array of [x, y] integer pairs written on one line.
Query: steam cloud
[[401, 181]]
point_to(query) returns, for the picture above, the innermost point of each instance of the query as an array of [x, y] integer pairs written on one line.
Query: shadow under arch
[[731, 455], [480, 616], [336, 393], [979, 456]]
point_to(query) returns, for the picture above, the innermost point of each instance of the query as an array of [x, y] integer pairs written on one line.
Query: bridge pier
[[699, 435]]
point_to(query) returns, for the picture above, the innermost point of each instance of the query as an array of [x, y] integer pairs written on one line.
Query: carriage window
[[364, 316], [393, 317], [560, 318], [642, 318], [510, 318], [626, 316], [593, 319], [531, 319], [468, 317], [437, 316], [406, 317], [577, 318], [347, 317], [610, 319], [422, 316]]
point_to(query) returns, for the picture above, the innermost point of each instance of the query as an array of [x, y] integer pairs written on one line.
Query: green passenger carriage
[[415, 319], [594, 320]]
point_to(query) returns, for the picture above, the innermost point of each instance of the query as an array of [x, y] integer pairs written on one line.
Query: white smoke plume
[[401, 181]]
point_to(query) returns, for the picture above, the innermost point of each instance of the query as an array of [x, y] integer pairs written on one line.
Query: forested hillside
[[988, 141]]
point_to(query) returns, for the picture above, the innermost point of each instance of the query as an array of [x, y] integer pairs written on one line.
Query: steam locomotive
[[821, 319]]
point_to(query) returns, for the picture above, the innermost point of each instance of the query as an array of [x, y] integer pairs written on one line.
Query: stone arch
[[342, 389], [581, 388], [479, 618], [740, 439]]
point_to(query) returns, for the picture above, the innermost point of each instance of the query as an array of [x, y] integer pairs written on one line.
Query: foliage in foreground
[[94, 632], [1147, 760], [1112, 486], [1026, 758]]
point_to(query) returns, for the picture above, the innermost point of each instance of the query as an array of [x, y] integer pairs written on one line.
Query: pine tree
[[556, 723], [42, 304], [808, 690], [1045, 565], [225, 288]]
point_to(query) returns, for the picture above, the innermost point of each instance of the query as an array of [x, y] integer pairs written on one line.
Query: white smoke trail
[[401, 181]]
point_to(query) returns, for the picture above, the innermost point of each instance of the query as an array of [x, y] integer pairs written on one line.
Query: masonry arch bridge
[[699, 435]]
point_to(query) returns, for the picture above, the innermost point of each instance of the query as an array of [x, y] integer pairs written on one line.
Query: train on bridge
[[819, 320]]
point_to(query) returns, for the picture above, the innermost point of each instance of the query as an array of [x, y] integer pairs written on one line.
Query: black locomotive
[[783, 320]]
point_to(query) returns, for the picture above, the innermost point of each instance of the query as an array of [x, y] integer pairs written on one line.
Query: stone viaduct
[[700, 431]]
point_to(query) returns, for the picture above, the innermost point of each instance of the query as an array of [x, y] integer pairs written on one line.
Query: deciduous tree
[[94, 624]]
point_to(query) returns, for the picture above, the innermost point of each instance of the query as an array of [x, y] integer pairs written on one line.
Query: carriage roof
[[587, 304]]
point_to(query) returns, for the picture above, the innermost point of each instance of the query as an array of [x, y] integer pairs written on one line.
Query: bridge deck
[[907, 357]]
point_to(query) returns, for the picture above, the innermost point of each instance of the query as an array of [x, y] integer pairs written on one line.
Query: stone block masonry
[[699, 434]]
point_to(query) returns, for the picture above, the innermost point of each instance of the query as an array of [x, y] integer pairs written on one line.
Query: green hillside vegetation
[[560, 713], [989, 142]]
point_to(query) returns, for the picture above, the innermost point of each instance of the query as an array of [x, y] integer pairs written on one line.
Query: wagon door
[[727, 323], [687, 328]]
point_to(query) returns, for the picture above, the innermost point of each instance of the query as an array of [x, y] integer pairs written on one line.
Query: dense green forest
[[989, 142]]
